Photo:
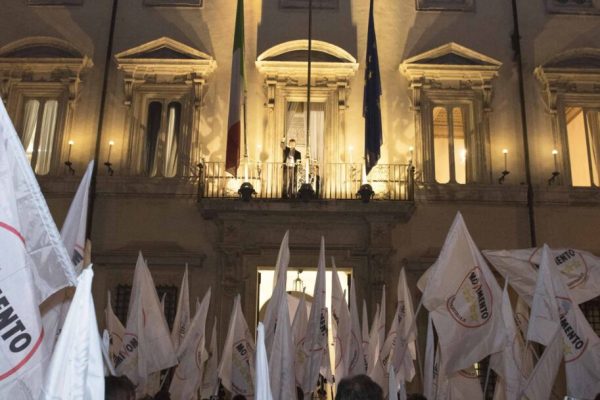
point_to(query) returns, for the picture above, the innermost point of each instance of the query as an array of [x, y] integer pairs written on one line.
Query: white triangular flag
[[262, 385], [24, 359], [405, 348], [182, 316], [464, 384], [192, 355], [509, 363], [539, 385], [315, 345], [116, 332], [341, 326], [210, 380], [393, 385], [147, 345], [299, 334], [279, 283], [579, 270], [463, 298], [236, 370], [356, 358], [282, 359], [76, 369], [374, 345], [47, 259]]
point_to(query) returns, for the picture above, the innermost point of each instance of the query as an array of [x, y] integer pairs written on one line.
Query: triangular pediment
[[452, 54], [163, 48]]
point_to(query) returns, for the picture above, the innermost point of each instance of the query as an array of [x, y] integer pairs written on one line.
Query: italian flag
[[232, 159]]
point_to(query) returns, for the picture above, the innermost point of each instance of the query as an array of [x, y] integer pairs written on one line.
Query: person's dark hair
[[597, 397], [239, 397], [299, 393], [359, 387], [292, 140], [118, 388], [416, 396]]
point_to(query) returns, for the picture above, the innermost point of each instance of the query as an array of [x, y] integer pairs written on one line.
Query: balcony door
[[295, 128]]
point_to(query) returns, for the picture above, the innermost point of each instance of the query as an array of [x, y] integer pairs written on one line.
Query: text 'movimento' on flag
[[371, 99], [464, 300]]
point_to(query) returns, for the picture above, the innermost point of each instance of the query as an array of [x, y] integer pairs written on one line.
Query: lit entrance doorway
[[299, 280]]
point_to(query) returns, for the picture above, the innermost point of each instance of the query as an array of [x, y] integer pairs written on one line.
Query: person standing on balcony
[[291, 156]]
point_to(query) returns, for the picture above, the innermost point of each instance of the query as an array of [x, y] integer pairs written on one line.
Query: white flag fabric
[[579, 270], [374, 345], [316, 346], [23, 359], [552, 306], [405, 350], [279, 283], [299, 334], [192, 355], [236, 370], [76, 369], [262, 384], [463, 298], [393, 385], [522, 316], [510, 364], [539, 385], [341, 326], [182, 316], [74, 228], [47, 257], [147, 345], [464, 384], [116, 332], [428, 373], [365, 331], [357, 363], [210, 380], [379, 371], [282, 359]]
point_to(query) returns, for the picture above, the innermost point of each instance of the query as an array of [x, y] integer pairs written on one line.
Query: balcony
[[336, 181]]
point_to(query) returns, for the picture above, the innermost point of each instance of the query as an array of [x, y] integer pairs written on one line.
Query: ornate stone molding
[[451, 73], [569, 79]]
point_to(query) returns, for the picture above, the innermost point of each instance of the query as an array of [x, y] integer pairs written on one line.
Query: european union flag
[[371, 105]]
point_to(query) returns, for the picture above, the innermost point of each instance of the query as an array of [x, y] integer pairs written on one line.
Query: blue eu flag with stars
[[371, 99]]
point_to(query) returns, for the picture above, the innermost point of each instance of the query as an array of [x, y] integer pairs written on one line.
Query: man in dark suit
[[291, 156]]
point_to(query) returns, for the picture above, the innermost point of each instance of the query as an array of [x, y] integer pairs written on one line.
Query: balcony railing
[[337, 181]]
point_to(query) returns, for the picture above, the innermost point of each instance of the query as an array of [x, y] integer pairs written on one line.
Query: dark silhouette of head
[[239, 397], [416, 396], [359, 387], [118, 388]]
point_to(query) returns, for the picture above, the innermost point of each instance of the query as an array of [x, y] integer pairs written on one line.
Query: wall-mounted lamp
[[555, 174], [506, 171], [68, 163], [108, 164]]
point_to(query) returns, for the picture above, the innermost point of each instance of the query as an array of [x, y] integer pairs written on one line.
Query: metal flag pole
[[306, 191]]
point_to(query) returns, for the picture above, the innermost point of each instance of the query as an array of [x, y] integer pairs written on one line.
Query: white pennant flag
[[192, 355], [147, 345], [510, 364], [282, 359], [262, 384], [76, 369], [464, 384], [182, 316], [379, 372], [393, 385], [24, 359], [74, 227], [315, 345], [579, 270], [116, 332], [210, 380], [428, 373], [539, 385], [463, 298], [406, 348], [299, 334], [373, 345], [552, 306], [341, 326], [47, 257], [357, 363], [279, 283], [236, 370]]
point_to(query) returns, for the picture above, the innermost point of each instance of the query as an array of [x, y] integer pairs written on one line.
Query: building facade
[[143, 86]]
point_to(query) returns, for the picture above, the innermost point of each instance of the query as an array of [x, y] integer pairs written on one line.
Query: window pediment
[[40, 58], [450, 62], [289, 60], [165, 56]]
